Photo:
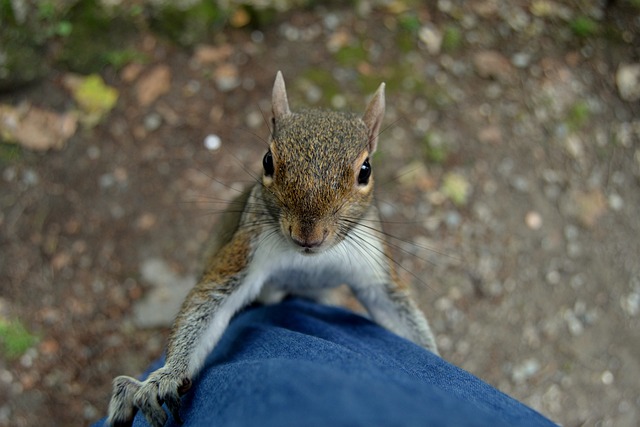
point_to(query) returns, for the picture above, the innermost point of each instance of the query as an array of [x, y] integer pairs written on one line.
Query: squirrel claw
[[121, 408], [185, 387], [131, 395], [173, 404]]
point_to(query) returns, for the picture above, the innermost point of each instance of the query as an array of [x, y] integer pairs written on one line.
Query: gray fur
[[315, 193]]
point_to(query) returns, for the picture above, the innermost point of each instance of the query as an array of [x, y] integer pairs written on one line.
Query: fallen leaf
[[240, 18], [490, 134], [35, 128], [131, 72], [206, 54], [227, 77], [93, 96], [492, 64], [456, 188], [153, 84], [588, 207]]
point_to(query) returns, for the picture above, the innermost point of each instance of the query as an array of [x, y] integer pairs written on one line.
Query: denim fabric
[[302, 364]]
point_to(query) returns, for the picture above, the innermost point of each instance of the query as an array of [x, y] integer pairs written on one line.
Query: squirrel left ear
[[373, 117], [279, 103]]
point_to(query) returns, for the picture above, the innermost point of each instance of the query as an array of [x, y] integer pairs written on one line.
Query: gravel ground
[[509, 174]]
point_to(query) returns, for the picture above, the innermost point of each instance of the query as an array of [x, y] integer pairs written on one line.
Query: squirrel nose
[[308, 240], [308, 243]]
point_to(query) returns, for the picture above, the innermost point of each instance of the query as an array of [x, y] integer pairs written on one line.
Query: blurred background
[[508, 173]]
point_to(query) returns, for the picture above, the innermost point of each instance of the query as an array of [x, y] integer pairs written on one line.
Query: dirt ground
[[509, 175]]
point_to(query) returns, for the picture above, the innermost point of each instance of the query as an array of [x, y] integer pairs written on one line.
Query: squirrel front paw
[[130, 395]]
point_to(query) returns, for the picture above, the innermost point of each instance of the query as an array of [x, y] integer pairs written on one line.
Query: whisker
[[388, 257], [401, 240]]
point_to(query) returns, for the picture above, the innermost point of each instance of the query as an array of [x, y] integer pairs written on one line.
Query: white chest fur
[[355, 261]]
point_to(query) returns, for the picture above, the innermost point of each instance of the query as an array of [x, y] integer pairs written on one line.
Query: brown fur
[[313, 201]]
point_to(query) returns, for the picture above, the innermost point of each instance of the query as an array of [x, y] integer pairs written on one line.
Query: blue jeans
[[301, 364]]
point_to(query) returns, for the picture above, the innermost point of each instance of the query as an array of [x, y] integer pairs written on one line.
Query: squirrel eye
[[267, 164], [365, 173]]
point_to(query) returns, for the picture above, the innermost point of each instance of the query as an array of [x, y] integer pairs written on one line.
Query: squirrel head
[[317, 180]]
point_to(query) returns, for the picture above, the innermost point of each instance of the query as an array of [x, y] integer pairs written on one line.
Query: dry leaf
[[94, 98], [35, 128], [456, 188], [206, 54], [153, 84], [589, 206]]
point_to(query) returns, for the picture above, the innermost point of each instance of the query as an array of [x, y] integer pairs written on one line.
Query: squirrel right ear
[[279, 103], [373, 117]]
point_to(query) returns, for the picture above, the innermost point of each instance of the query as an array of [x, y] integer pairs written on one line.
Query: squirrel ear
[[279, 103], [373, 117]]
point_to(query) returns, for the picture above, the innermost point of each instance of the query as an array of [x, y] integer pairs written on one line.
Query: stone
[[431, 37], [628, 82], [533, 220], [161, 304], [492, 64], [588, 207]]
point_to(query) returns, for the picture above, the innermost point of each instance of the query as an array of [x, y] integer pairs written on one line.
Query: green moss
[[405, 41], [351, 55], [578, 115], [51, 21], [456, 188], [260, 17], [434, 148], [452, 38], [584, 27], [119, 58], [21, 58], [409, 22], [15, 338], [9, 152], [95, 33], [7, 16], [188, 26], [408, 27]]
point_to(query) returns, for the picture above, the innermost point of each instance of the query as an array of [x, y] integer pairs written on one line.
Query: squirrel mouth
[[309, 246], [310, 251]]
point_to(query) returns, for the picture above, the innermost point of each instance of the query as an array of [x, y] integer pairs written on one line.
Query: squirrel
[[302, 230]]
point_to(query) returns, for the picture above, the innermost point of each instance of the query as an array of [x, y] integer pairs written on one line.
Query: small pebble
[[431, 37], [607, 378], [520, 183], [338, 102], [212, 142], [525, 370], [615, 202], [628, 81], [152, 121], [533, 220], [521, 60], [107, 180], [257, 36], [9, 174], [255, 119], [453, 219], [573, 323], [30, 177], [631, 303], [553, 277], [93, 152]]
